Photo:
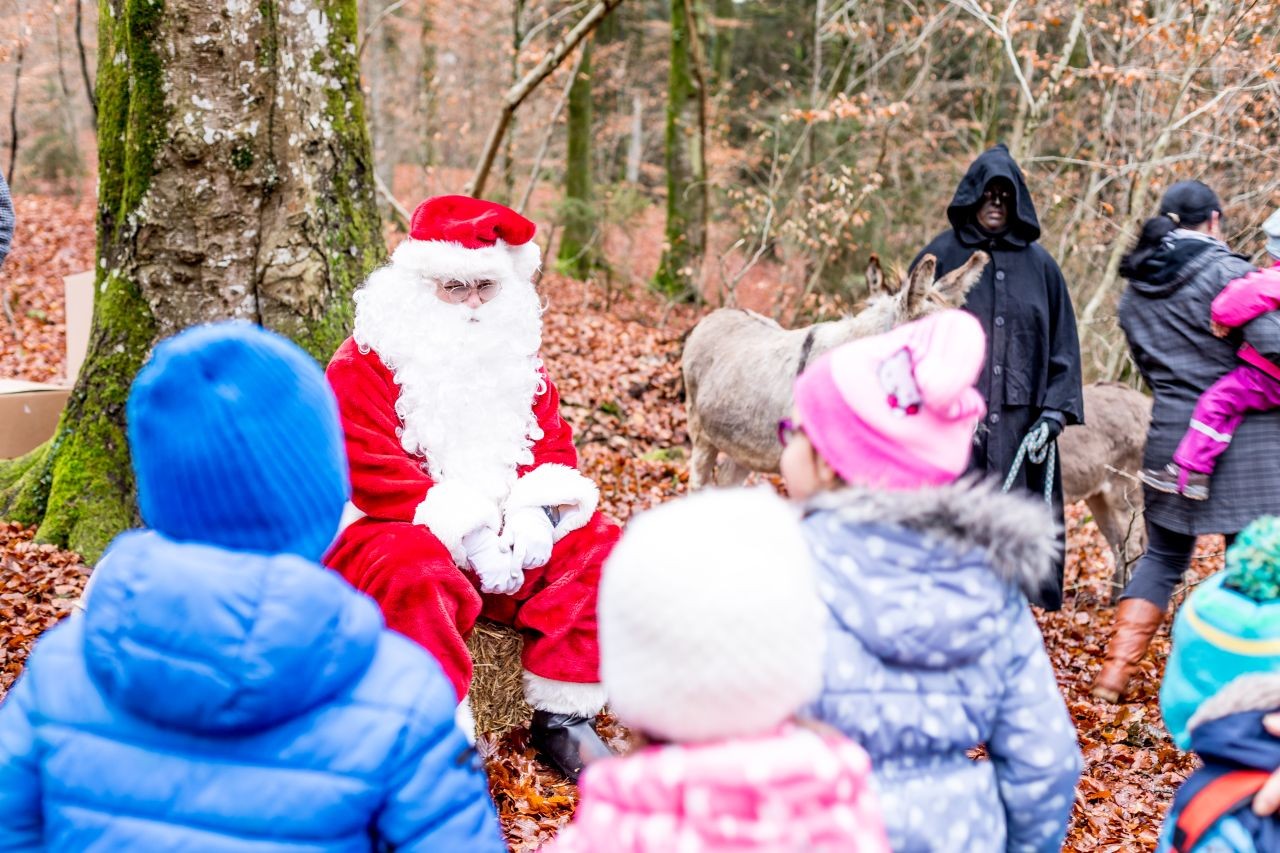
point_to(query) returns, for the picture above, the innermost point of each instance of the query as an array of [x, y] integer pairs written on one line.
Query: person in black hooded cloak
[[1032, 372]]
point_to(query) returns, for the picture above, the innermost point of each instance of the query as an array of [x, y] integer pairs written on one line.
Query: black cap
[[1189, 203]]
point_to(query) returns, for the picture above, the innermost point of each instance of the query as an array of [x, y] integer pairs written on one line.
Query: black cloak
[[1033, 351]]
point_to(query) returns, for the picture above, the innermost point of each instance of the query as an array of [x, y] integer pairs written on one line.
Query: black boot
[[566, 741]]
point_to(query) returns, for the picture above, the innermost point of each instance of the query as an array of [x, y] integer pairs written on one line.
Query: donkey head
[[922, 295], [916, 297]]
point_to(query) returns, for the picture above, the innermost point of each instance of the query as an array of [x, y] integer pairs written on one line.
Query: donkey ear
[[955, 285], [875, 278], [918, 284]]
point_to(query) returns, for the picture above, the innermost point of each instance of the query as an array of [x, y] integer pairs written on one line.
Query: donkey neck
[[878, 317]]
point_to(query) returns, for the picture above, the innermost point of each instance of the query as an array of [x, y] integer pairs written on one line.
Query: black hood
[[1161, 270], [1024, 225]]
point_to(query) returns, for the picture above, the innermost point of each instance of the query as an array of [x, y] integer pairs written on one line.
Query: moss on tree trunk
[[577, 255], [234, 182], [686, 183], [722, 44]]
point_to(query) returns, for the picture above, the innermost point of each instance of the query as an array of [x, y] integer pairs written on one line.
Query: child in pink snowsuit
[[1254, 386], [711, 641]]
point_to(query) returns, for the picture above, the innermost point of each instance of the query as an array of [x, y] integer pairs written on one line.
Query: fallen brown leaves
[[619, 377], [53, 237], [1131, 766], [534, 801], [38, 584]]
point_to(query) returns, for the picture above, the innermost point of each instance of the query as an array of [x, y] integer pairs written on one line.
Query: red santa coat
[[407, 550]]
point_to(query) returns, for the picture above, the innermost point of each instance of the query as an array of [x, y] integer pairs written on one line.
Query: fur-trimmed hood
[[1257, 693], [928, 577]]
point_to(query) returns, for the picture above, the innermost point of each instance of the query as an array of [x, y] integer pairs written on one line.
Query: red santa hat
[[464, 238]]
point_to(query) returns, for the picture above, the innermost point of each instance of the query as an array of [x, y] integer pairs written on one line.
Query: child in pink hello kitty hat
[[931, 647]]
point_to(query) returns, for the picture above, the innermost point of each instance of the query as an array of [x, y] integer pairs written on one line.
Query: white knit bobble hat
[[710, 622]]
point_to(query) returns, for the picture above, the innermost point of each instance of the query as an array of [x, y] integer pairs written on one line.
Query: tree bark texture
[[576, 246], [84, 64], [677, 273], [13, 112], [427, 86], [235, 181], [722, 44]]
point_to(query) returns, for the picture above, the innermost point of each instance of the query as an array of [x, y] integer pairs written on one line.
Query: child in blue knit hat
[[1222, 681], [222, 690]]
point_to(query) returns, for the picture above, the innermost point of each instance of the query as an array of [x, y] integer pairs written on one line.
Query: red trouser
[[426, 597]]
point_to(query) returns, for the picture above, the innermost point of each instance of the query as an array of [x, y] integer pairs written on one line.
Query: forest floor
[[618, 373]]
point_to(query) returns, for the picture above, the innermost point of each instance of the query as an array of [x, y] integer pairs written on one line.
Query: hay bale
[[497, 691]]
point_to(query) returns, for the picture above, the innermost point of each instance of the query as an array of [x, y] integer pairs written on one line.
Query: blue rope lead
[[1038, 448]]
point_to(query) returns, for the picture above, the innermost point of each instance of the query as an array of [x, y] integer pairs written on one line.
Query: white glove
[[492, 562], [529, 535]]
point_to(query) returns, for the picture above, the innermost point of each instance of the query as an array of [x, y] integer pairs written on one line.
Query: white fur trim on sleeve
[[553, 484], [451, 510], [466, 720], [563, 697]]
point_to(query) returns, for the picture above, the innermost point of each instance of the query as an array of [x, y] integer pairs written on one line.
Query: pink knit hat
[[898, 410]]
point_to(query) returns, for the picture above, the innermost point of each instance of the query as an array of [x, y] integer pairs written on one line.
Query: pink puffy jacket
[[1244, 299], [791, 790]]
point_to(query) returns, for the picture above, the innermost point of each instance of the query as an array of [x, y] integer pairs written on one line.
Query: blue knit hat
[[1228, 627], [236, 442]]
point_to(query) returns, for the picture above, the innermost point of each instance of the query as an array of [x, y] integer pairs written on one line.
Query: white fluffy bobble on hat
[[710, 622]]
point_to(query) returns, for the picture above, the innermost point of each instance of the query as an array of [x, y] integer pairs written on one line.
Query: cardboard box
[[78, 301], [29, 411]]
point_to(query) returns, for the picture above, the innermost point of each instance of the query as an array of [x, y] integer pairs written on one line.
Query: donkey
[[739, 366], [1100, 463]]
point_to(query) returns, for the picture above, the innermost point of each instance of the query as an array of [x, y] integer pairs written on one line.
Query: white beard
[[466, 388]]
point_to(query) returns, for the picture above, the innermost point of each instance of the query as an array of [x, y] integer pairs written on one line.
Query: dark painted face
[[993, 211]]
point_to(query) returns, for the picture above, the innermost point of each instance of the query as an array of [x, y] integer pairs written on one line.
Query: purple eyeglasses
[[786, 431]]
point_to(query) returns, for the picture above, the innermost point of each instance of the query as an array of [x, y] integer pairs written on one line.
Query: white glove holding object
[[492, 562], [529, 535]]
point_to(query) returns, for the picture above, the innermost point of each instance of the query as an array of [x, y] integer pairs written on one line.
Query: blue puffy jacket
[[223, 701], [932, 651]]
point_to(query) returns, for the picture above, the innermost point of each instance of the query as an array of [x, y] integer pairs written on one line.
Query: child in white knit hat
[[711, 640]]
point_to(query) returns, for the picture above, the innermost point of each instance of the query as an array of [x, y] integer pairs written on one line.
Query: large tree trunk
[[678, 273], [234, 181], [576, 254]]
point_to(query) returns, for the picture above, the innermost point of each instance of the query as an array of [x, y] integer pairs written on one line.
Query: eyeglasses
[[458, 292], [786, 431]]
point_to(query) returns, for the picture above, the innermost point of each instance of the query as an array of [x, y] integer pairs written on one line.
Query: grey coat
[[932, 650], [1165, 315]]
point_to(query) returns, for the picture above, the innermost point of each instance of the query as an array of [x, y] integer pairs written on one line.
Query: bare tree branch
[[13, 107], [84, 65], [551, 129], [374, 24], [532, 33], [516, 95], [398, 210], [1001, 31]]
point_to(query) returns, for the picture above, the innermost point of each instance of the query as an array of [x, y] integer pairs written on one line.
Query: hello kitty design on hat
[[898, 379], [898, 410]]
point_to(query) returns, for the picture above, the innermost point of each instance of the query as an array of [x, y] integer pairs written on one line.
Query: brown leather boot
[[1137, 621]]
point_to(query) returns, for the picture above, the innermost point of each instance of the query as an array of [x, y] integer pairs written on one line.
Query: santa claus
[[463, 470]]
